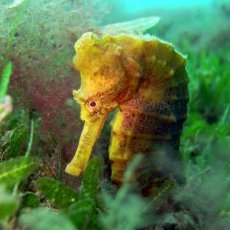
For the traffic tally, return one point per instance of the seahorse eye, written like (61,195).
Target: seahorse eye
(92,104)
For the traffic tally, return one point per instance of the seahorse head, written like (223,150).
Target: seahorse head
(102,76)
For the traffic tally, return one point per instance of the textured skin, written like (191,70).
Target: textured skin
(146,79)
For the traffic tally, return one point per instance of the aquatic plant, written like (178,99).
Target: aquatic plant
(205,140)
(5,100)
(5,79)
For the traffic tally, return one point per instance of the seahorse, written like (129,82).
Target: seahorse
(142,76)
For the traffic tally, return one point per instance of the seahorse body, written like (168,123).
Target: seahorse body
(143,76)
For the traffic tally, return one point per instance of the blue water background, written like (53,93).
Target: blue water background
(132,7)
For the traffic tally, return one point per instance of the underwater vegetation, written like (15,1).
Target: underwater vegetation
(40,126)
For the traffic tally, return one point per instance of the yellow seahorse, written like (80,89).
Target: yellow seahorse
(146,79)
